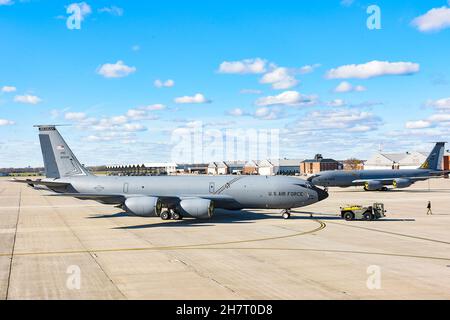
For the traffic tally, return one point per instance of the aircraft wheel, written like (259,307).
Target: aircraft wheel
(165,215)
(175,215)
(286,215)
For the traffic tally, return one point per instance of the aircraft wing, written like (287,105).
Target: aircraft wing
(103,198)
(120,198)
(41,182)
(414,179)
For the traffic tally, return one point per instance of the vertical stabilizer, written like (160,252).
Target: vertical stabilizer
(434,160)
(59,161)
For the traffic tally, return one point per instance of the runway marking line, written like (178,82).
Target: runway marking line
(321,226)
(391,232)
(212,246)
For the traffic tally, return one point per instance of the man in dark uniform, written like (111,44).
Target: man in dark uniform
(429,212)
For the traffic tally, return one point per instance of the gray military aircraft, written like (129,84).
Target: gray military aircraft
(169,197)
(374,180)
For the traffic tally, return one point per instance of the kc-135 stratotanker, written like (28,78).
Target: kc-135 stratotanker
(377,180)
(169,197)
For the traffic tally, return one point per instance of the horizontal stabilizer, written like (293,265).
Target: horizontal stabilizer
(104,198)
(41,182)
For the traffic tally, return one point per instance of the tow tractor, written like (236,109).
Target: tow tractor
(359,212)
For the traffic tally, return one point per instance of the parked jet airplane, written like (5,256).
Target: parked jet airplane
(379,179)
(169,197)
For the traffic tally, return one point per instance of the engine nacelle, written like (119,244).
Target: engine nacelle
(401,183)
(143,206)
(197,208)
(373,185)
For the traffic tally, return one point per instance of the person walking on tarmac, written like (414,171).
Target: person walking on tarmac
(429,212)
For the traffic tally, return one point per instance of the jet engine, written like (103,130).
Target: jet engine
(197,208)
(143,206)
(373,185)
(401,183)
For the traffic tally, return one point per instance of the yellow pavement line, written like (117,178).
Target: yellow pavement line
(321,226)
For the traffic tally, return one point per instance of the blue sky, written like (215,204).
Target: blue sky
(311,69)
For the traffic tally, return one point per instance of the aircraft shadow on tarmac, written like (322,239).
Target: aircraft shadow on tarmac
(325,216)
(230,217)
(113,215)
(220,217)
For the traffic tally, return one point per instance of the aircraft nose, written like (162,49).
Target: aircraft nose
(322,194)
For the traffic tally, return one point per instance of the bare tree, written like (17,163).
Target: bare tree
(353,164)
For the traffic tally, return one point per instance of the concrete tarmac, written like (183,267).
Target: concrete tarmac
(64,248)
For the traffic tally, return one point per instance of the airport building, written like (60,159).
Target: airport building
(192,168)
(318,164)
(408,160)
(446,162)
(143,169)
(226,167)
(279,167)
(251,167)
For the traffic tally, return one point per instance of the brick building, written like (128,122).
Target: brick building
(318,164)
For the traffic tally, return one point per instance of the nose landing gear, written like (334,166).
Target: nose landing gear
(286,213)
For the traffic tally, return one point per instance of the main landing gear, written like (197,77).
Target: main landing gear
(170,214)
(286,213)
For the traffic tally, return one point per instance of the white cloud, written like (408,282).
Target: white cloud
(345,86)
(155,107)
(136,114)
(266,113)
(250,91)
(256,65)
(288,98)
(336,103)
(168,83)
(349,120)
(373,69)
(118,120)
(420,124)
(113,10)
(236,112)
(440,117)
(347,3)
(442,104)
(280,78)
(4,122)
(115,70)
(6,2)
(134,127)
(308,68)
(136,47)
(29,99)
(8,89)
(360,128)
(434,20)
(75,116)
(197,98)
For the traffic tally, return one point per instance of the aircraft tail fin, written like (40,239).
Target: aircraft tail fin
(59,160)
(434,160)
